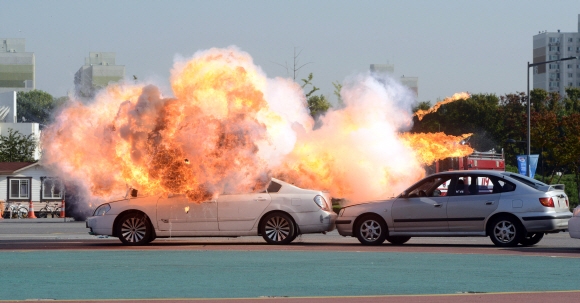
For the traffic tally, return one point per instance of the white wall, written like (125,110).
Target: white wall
(8,107)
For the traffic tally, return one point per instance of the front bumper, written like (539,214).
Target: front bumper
(344,225)
(574,227)
(101,225)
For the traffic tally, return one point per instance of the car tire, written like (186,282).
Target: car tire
(398,240)
(371,230)
(278,228)
(505,231)
(134,229)
(531,239)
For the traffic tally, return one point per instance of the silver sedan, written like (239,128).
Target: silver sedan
(510,208)
(279,214)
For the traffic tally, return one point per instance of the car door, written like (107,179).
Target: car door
(423,207)
(240,212)
(471,201)
(177,212)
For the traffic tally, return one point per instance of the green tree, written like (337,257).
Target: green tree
(572,100)
(317,104)
(34,106)
(16,147)
(337,87)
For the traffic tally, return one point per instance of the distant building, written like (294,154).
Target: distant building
(17,67)
(99,70)
(8,121)
(556,76)
(411,82)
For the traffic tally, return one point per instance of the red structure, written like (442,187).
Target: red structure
(476,161)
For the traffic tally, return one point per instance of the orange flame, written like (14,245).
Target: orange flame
(457,96)
(431,147)
(228,129)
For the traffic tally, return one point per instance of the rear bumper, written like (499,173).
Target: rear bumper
(546,222)
(574,227)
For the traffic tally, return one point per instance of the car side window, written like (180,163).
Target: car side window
(432,187)
(473,184)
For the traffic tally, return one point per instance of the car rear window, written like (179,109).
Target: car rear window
(526,180)
(274,187)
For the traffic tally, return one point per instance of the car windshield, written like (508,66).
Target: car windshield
(526,180)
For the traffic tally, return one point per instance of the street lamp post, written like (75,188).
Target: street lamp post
(528,173)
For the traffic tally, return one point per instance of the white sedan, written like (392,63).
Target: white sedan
(278,214)
(574,224)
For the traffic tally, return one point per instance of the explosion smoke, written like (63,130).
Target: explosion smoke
(229,128)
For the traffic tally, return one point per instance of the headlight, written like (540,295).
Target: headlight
(102,210)
(577,211)
(319,200)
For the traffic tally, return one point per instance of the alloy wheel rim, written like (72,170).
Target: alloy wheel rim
(277,229)
(133,229)
(370,230)
(505,231)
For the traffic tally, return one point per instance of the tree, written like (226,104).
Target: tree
(17,147)
(337,87)
(317,104)
(34,106)
(295,66)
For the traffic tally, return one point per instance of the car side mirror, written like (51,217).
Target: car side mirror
(404,194)
(133,193)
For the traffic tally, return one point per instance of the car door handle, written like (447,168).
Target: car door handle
(260,199)
(437,205)
(489,203)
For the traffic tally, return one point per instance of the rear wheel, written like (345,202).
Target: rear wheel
(505,231)
(531,239)
(134,229)
(278,228)
(371,230)
(398,240)
(22,213)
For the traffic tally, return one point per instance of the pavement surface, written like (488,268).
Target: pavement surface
(50,259)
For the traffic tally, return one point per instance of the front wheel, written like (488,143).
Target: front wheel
(531,239)
(278,228)
(371,230)
(134,229)
(398,240)
(43,213)
(505,231)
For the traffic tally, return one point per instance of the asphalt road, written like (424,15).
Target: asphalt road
(57,260)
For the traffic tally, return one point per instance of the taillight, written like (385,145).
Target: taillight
(567,205)
(321,202)
(547,202)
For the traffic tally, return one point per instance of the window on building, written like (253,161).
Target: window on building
(570,84)
(554,48)
(570,75)
(570,66)
(570,39)
(569,48)
(554,57)
(554,39)
(51,188)
(19,188)
(554,66)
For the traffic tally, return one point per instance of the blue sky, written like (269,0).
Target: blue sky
(452,46)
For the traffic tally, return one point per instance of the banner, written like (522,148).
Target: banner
(523,164)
